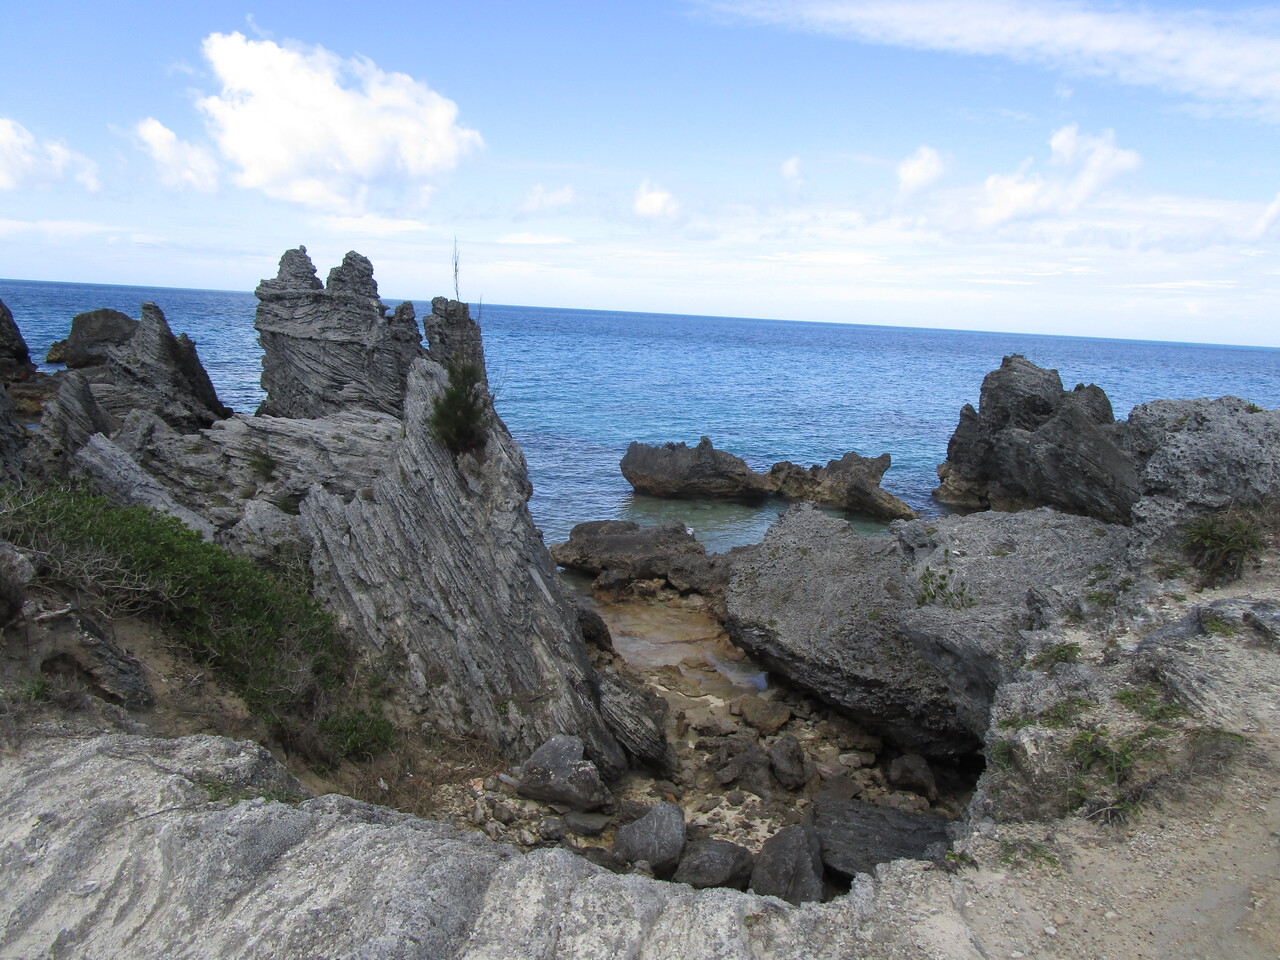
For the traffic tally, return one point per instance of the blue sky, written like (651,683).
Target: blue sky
(1050,167)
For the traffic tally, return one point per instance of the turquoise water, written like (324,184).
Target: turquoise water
(576,386)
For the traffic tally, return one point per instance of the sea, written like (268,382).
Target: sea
(575,387)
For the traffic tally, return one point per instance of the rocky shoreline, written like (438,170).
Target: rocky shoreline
(963,699)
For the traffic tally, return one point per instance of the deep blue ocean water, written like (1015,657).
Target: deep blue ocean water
(576,386)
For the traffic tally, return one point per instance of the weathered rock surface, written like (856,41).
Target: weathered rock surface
(676,470)
(557,773)
(715,863)
(856,836)
(1031,443)
(658,838)
(331,348)
(912,635)
(93,333)
(789,866)
(12,440)
(15,357)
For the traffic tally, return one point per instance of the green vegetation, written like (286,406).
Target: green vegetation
(263,464)
(1149,703)
(1027,852)
(1067,652)
(1221,543)
(460,416)
(945,588)
(1061,714)
(263,637)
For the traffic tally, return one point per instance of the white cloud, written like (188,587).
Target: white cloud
(179,163)
(1269,216)
(54,229)
(541,199)
(919,170)
(790,171)
(373,225)
(653,201)
(533,239)
(26,161)
(302,124)
(1086,164)
(1206,55)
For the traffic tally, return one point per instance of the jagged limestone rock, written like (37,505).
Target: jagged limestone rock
(454,337)
(15,357)
(1031,443)
(331,348)
(12,441)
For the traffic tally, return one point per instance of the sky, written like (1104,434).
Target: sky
(1080,168)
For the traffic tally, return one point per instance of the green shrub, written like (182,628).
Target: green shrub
(1221,543)
(460,415)
(1067,652)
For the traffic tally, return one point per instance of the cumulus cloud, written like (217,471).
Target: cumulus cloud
(302,124)
(653,201)
(26,161)
(540,199)
(1210,56)
(1081,164)
(919,170)
(179,163)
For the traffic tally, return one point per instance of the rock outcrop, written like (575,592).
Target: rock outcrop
(911,635)
(676,470)
(12,440)
(1031,443)
(416,549)
(332,347)
(15,357)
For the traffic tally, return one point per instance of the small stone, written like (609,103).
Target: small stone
(553,828)
(503,814)
(710,804)
(765,715)
(493,830)
(854,759)
(1050,931)
(586,824)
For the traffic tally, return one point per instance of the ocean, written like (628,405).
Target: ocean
(575,387)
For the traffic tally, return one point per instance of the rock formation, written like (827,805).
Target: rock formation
(417,550)
(332,347)
(1032,443)
(676,470)
(12,440)
(15,358)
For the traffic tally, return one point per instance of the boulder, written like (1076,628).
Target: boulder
(911,635)
(1031,443)
(851,483)
(557,773)
(911,772)
(15,357)
(715,863)
(333,347)
(658,838)
(93,333)
(855,836)
(789,866)
(677,470)
(786,758)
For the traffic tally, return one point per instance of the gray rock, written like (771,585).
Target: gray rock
(332,348)
(851,483)
(856,836)
(658,838)
(13,439)
(453,335)
(750,769)
(789,866)
(16,574)
(92,333)
(715,863)
(786,758)
(911,772)
(587,824)
(557,773)
(15,357)
(1031,443)
(767,716)
(677,470)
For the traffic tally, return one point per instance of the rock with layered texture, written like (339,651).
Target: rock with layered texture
(856,836)
(12,441)
(912,634)
(332,347)
(1031,443)
(92,335)
(15,357)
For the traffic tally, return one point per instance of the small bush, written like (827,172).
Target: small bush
(1221,543)
(1148,702)
(460,416)
(1068,652)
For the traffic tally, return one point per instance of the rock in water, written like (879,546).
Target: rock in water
(677,470)
(851,483)
(330,348)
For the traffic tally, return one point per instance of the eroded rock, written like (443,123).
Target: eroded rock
(557,773)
